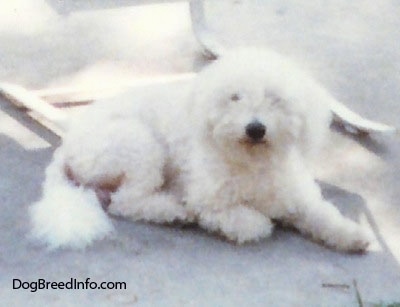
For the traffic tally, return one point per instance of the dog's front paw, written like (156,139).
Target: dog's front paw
(353,239)
(239,224)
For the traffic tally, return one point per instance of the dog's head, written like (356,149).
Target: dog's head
(252,102)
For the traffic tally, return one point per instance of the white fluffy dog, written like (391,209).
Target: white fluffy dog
(229,152)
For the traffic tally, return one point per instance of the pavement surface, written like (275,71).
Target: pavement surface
(351,46)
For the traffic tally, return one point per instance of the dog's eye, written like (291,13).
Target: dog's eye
(235,97)
(273,99)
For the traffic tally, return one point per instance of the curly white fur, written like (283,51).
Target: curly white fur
(187,154)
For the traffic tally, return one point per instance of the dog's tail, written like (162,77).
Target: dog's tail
(67,215)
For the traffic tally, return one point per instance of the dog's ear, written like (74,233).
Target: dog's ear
(204,91)
(316,118)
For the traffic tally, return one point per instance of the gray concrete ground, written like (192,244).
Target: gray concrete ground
(352,47)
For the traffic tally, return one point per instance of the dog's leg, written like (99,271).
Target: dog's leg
(144,202)
(213,199)
(302,205)
(237,223)
(141,194)
(323,222)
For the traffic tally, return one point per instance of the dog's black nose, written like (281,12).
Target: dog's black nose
(255,130)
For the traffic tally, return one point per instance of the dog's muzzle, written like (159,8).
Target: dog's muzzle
(255,131)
